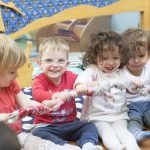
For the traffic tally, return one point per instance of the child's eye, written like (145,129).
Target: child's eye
(116,58)
(48,60)
(13,72)
(104,58)
(141,56)
(61,61)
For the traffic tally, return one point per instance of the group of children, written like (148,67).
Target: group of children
(115,84)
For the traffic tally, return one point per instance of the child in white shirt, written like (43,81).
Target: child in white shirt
(107,110)
(138,68)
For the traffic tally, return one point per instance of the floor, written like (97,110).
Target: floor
(145,145)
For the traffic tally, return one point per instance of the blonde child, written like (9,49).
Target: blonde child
(104,59)
(59,126)
(11,96)
(138,69)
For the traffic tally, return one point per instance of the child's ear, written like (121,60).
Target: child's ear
(149,55)
(68,63)
(39,63)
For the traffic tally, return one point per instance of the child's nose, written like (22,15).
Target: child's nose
(136,60)
(55,63)
(110,61)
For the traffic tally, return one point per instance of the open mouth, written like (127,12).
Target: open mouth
(110,69)
(136,66)
(54,71)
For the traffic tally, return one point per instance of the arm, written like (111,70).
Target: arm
(41,94)
(23,101)
(40,89)
(60,98)
(85,81)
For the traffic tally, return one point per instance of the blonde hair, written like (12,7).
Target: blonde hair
(11,56)
(53,43)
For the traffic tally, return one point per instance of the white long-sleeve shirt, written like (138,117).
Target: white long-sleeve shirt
(144,78)
(98,108)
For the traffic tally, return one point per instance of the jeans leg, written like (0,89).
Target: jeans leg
(135,122)
(49,133)
(139,114)
(146,118)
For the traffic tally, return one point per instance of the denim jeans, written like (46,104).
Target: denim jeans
(139,114)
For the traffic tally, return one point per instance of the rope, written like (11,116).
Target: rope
(95,89)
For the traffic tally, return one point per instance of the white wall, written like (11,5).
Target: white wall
(121,22)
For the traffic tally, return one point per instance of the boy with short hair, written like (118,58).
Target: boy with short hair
(59,126)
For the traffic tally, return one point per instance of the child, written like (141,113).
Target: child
(138,68)
(11,96)
(107,110)
(8,138)
(59,126)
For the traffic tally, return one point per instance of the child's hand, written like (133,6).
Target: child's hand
(139,87)
(65,95)
(53,104)
(47,103)
(134,86)
(61,95)
(86,88)
(137,84)
(56,104)
(43,109)
(4,116)
(81,89)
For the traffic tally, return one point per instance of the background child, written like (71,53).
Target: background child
(61,125)
(11,96)
(8,138)
(138,69)
(108,110)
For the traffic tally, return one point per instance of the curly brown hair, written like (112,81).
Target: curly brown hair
(102,42)
(136,39)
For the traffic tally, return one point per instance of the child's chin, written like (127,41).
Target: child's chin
(108,71)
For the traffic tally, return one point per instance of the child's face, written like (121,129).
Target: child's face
(7,77)
(136,64)
(54,64)
(109,62)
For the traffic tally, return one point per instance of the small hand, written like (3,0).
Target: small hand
(86,88)
(54,104)
(43,109)
(47,103)
(65,95)
(137,85)
(81,89)
(4,116)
